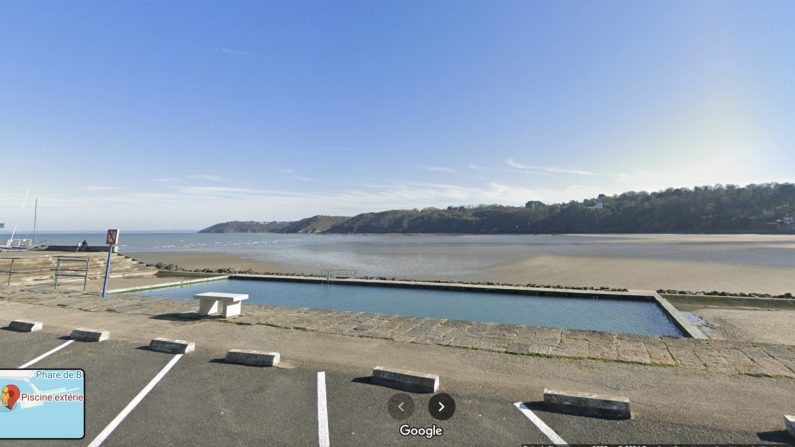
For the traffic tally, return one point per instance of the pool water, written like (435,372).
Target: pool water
(597,314)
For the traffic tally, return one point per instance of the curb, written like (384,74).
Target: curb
(587,404)
(406,380)
(90,335)
(172,346)
(25,326)
(252,358)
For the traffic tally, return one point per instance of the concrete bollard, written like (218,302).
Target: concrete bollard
(586,404)
(252,358)
(90,335)
(172,346)
(25,326)
(406,380)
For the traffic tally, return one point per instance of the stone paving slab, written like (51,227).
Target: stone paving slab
(715,356)
(769,364)
(685,357)
(713,360)
(571,347)
(633,351)
(658,353)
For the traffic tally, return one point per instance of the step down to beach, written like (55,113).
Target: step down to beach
(90,335)
(25,326)
(252,358)
(405,380)
(587,404)
(172,346)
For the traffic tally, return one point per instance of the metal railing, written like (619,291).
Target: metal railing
(330,275)
(72,272)
(10,270)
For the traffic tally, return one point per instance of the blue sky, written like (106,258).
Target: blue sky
(163,115)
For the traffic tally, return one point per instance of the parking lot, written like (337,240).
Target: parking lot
(201,400)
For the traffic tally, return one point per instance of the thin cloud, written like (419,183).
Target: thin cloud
(513,170)
(550,169)
(437,169)
(100,188)
(290,173)
(211,178)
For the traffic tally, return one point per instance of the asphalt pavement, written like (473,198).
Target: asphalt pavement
(201,400)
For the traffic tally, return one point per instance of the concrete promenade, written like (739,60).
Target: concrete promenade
(681,403)
(720,356)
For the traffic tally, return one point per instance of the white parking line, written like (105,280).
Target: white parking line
(548,432)
(133,403)
(322,411)
(52,351)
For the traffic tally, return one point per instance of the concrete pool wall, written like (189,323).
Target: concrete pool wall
(687,328)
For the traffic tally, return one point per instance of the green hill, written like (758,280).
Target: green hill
(766,208)
(246,227)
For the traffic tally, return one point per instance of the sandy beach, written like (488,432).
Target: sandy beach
(647,274)
(200,260)
(631,273)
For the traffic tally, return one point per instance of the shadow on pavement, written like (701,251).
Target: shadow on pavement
(777,436)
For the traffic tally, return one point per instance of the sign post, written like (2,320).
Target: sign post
(111,239)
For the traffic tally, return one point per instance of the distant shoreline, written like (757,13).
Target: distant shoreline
(757,208)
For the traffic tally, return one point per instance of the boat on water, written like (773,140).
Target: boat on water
(18,245)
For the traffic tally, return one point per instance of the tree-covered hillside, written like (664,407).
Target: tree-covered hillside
(316,224)
(246,227)
(766,208)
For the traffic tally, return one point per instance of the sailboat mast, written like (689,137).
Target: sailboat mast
(13,232)
(35,217)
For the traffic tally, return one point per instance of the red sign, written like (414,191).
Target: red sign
(113,237)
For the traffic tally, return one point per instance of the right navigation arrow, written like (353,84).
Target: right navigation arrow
(441,406)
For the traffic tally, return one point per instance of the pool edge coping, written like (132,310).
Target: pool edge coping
(170,284)
(689,330)
(673,313)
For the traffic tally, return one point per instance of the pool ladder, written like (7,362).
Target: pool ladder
(329,275)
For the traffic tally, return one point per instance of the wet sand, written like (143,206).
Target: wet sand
(630,273)
(200,260)
(647,274)
(775,239)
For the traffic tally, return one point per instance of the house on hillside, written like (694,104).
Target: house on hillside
(787,222)
(534,204)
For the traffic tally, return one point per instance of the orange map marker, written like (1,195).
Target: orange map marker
(10,396)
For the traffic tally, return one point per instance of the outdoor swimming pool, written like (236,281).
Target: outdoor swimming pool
(598,314)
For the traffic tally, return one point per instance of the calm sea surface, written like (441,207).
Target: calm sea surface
(440,255)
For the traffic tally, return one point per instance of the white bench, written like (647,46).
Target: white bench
(230,303)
